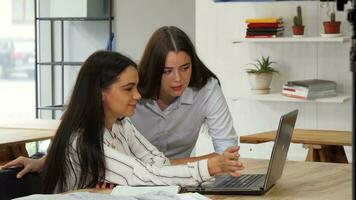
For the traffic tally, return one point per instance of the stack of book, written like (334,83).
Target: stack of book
(309,89)
(264,27)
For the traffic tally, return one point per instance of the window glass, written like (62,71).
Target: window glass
(17,67)
(22,11)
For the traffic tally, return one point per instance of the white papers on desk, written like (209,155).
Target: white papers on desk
(155,193)
(75,196)
(125,193)
(158,195)
(137,190)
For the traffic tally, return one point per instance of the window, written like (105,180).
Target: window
(17,67)
(22,11)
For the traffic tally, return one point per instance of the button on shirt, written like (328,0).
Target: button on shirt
(175,130)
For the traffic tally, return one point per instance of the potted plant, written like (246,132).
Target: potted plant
(298,28)
(332,26)
(260,76)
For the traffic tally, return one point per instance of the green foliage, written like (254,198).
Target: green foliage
(262,66)
(298,21)
(332,17)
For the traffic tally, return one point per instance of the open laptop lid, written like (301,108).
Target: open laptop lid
(280,148)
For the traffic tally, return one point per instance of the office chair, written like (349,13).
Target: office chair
(12,187)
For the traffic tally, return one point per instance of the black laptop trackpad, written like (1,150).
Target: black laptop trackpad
(243,181)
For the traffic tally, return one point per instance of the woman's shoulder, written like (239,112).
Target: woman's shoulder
(126,125)
(124,122)
(213,82)
(210,85)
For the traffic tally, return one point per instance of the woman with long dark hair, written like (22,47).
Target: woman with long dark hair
(96,142)
(180,94)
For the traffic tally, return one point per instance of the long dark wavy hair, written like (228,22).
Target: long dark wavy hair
(84,120)
(150,68)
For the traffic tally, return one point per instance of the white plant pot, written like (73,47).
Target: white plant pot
(260,83)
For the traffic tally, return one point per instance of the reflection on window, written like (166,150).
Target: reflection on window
(22,11)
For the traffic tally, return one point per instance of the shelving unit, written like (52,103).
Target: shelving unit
(278,97)
(342,39)
(58,48)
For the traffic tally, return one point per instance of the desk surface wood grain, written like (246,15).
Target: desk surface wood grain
(304,136)
(15,132)
(300,180)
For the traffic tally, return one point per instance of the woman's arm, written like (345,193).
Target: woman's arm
(179,161)
(148,166)
(125,170)
(29,164)
(218,118)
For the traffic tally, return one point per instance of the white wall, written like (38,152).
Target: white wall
(136,20)
(217,24)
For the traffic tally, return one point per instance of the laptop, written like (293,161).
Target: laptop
(256,184)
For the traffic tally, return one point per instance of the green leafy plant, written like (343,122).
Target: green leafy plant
(262,66)
(298,21)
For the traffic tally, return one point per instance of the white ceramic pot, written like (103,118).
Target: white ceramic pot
(260,82)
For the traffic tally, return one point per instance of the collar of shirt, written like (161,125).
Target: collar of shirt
(186,98)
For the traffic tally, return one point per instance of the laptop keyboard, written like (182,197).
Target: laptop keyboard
(244,181)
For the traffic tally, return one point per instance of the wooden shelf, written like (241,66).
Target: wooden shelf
(278,97)
(293,39)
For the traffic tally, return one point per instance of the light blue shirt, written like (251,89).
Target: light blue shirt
(175,130)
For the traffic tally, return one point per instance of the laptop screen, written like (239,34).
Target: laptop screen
(280,148)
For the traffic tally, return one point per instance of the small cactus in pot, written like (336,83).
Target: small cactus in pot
(298,28)
(332,17)
(332,26)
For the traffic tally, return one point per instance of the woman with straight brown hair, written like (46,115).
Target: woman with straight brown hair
(180,94)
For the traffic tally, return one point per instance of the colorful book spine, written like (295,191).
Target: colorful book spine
(264,25)
(264,33)
(301,92)
(294,96)
(265,29)
(315,84)
(263,20)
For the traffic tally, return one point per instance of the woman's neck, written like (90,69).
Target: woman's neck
(108,124)
(110,120)
(164,101)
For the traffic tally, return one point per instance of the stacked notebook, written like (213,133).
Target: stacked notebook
(309,89)
(264,27)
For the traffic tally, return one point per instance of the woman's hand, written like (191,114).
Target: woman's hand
(28,164)
(105,185)
(228,162)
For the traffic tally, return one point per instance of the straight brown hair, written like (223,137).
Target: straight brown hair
(83,119)
(150,68)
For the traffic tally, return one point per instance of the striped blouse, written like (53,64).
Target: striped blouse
(132,160)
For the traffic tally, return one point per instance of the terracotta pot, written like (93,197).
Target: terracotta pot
(298,30)
(332,27)
(260,83)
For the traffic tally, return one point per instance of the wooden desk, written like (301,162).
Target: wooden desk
(14,135)
(300,180)
(324,146)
